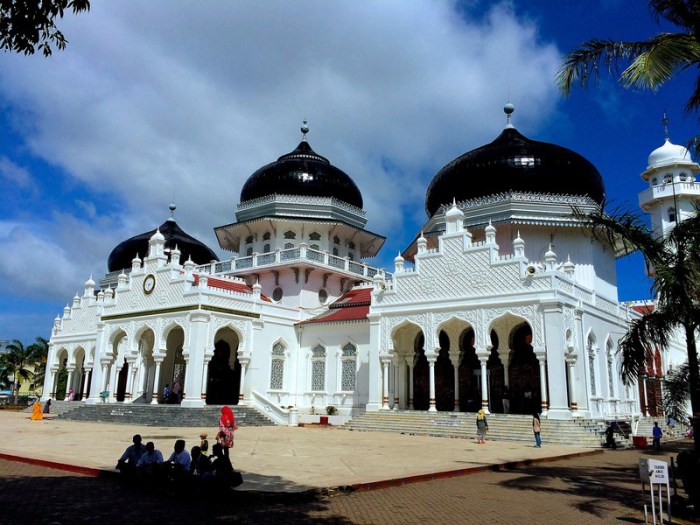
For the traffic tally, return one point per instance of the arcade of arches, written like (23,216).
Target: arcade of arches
(505,377)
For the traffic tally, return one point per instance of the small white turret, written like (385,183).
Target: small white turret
(569,267)
(422,244)
(518,247)
(135,263)
(122,280)
(454,219)
(490,232)
(76,300)
(175,256)
(89,288)
(156,248)
(550,259)
(399,263)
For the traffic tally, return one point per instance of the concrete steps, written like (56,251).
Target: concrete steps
(161,415)
(510,427)
(58,407)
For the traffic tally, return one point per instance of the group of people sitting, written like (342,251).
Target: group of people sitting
(144,465)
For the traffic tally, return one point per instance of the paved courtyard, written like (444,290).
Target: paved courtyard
(280,464)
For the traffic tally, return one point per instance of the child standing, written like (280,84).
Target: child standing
(204,444)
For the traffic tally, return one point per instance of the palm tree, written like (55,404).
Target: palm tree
(40,349)
(19,363)
(674,266)
(651,63)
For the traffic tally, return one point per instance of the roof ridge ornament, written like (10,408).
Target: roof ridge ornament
(304,130)
(664,122)
(172,209)
(508,109)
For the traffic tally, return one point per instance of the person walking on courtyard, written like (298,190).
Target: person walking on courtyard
(482,427)
(656,434)
(610,437)
(536,428)
(47,407)
(227,426)
(37,414)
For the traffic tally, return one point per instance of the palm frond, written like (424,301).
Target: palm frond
(585,61)
(676,393)
(652,329)
(667,54)
(684,14)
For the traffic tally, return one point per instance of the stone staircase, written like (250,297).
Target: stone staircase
(502,427)
(58,408)
(160,415)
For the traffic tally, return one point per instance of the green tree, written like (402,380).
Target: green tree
(40,349)
(27,26)
(674,264)
(675,397)
(650,63)
(19,363)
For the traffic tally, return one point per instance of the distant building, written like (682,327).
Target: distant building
(503,286)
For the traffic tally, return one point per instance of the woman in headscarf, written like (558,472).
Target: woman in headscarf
(37,413)
(481,428)
(227,426)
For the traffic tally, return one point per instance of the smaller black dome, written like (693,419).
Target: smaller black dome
(514,162)
(123,254)
(302,172)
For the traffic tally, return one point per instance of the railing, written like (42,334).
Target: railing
(302,253)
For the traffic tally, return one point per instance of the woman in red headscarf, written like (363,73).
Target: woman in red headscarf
(227,426)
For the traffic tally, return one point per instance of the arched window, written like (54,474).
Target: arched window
(315,247)
(288,245)
(683,176)
(611,369)
(335,251)
(266,236)
(672,214)
(249,239)
(668,178)
(348,365)
(289,234)
(318,369)
(591,364)
(351,245)
(654,181)
(277,367)
(266,248)
(314,236)
(351,256)
(179,366)
(249,251)
(336,240)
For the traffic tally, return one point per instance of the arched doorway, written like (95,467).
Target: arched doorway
(469,374)
(121,381)
(524,372)
(174,366)
(496,378)
(61,376)
(444,376)
(421,375)
(224,372)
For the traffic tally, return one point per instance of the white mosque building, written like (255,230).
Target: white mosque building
(503,290)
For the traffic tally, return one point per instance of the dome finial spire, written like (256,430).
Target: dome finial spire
(304,130)
(664,123)
(508,109)
(172,209)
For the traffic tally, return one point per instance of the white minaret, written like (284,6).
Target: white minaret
(673,191)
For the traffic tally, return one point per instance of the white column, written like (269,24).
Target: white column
(104,378)
(573,404)
(454,358)
(431,364)
(113,379)
(409,363)
(244,369)
(130,382)
(646,396)
(385,383)
(88,382)
(205,377)
(54,383)
(395,362)
(484,384)
(156,380)
(543,385)
(69,383)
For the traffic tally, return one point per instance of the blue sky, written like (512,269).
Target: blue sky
(155,101)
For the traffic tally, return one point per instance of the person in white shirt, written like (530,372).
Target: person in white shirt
(180,458)
(150,458)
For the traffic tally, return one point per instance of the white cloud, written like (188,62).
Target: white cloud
(155,99)
(14,174)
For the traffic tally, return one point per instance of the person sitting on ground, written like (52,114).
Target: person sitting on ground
(221,472)
(131,456)
(37,414)
(200,463)
(656,434)
(180,458)
(148,464)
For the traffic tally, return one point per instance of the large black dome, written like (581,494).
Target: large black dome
(305,173)
(122,255)
(513,162)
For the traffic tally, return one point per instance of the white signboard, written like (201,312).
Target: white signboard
(653,471)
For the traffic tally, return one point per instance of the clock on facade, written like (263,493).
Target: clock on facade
(149,283)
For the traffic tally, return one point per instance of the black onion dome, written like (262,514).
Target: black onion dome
(513,162)
(123,254)
(302,172)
